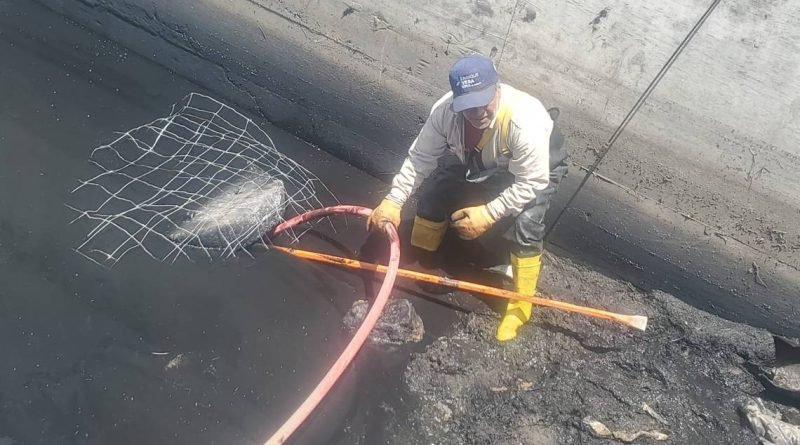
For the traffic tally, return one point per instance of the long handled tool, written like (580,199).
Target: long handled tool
(634,321)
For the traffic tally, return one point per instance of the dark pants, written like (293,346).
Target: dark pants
(447,190)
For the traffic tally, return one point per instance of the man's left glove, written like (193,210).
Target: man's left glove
(387,211)
(471,222)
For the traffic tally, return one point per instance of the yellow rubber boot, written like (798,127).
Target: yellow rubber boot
(427,234)
(526,276)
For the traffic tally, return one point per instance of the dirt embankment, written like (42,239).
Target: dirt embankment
(685,378)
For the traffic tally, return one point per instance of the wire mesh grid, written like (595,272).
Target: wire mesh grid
(203,179)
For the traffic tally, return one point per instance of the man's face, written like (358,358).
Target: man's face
(481,117)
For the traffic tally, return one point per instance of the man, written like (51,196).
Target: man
(484,127)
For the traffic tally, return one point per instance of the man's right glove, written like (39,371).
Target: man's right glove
(471,222)
(387,211)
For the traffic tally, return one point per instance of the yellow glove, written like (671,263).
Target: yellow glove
(471,222)
(387,211)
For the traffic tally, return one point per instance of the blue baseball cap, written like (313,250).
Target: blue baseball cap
(473,79)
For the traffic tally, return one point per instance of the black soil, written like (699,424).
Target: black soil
(690,368)
(147,352)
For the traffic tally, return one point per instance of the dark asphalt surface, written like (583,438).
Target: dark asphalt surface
(85,350)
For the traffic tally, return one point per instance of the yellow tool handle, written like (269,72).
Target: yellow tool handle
(634,321)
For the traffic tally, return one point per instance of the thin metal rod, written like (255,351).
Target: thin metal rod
(607,146)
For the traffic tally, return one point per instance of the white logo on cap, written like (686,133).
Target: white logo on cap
(469,81)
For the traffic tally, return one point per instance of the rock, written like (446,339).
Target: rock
(399,323)
(444,411)
(598,429)
(652,413)
(786,374)
(768,425)
(792,415)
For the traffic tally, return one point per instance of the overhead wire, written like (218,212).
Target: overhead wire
(642,99)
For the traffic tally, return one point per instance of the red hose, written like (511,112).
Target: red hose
(338,368)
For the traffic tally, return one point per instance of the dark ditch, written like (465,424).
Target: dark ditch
(203,352)
(221,352)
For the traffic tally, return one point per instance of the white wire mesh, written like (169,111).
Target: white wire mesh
(203,179)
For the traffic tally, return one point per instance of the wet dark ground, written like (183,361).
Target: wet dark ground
(222,352)
(147,352)
(685,378)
